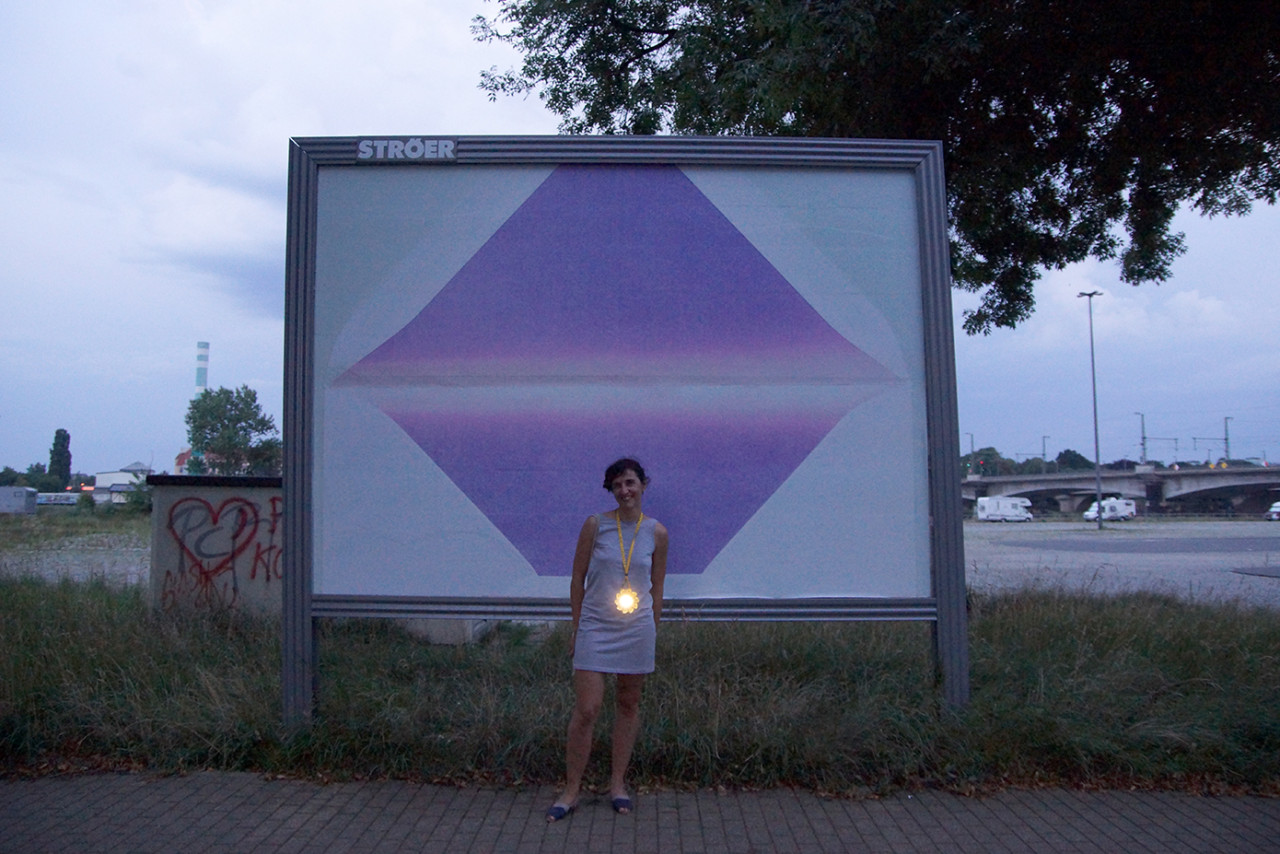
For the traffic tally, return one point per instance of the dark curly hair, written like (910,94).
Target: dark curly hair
(618,467)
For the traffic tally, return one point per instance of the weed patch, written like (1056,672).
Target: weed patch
(1068,689)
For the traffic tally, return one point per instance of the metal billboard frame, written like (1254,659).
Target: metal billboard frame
(922,160)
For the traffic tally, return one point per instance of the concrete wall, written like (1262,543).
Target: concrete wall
(215,543)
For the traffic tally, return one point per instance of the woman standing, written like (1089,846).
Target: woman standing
(616,595)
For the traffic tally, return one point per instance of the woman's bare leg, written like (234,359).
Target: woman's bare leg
(588,696)
(626,724)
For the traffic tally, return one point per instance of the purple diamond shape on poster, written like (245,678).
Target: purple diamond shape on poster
(618,312)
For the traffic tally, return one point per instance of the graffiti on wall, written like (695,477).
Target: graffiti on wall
(226,553)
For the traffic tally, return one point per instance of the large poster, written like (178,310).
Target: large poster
(488,336)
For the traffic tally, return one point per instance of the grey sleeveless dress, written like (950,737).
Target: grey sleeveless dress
(609,641)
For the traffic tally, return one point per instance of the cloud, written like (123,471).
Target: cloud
(188,216)
(142,190)
(1186,353)
(142,193)
(1200,317)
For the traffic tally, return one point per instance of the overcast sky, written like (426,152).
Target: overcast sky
(143,148)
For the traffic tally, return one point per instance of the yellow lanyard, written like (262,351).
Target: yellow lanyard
(626,554)
(627,600)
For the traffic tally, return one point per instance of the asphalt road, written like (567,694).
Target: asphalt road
(1195,560)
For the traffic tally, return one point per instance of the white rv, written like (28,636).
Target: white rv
(1003,509)
(1113,510)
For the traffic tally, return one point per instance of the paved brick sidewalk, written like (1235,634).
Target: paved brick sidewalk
(221,812)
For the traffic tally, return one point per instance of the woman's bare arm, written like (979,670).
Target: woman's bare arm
(578,581)
(658,570)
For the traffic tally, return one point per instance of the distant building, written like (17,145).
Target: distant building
(17,499)
(114,485)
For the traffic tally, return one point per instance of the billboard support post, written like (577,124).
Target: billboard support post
(951,631)
(297,625)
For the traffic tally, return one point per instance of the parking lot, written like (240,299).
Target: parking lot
(1195,560)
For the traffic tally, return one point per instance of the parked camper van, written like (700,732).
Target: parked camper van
(1001,509)
(1113,510)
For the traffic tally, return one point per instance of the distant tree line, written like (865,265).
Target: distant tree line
(990,462)
(56,476)
(228,431)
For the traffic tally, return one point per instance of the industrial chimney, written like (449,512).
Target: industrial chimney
(202,367)
(202,385)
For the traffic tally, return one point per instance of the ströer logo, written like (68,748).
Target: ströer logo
(413,148)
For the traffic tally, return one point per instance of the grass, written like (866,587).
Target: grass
(1069,689)
(55,527)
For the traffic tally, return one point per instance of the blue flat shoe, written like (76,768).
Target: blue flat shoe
(555,812)
(622,805)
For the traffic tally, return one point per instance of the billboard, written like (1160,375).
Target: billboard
(477,326)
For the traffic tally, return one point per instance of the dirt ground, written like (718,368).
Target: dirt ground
(1196,560)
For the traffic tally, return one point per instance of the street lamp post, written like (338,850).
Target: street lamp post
(1093,375)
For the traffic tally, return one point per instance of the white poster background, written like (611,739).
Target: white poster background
(851,520)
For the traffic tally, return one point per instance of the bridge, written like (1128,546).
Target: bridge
(1243,490)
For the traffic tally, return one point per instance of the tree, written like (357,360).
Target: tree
(1031,465)
(230,435)
(39,479)
(139,495)
(1069,460)
(987,462)
(1065,122)
(60,458)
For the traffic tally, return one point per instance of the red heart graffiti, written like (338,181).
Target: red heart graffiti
(212,539)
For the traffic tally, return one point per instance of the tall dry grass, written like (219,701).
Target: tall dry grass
(1068,689)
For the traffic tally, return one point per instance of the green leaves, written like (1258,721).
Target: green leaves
(60,457)
(1073,129)
(230,435)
